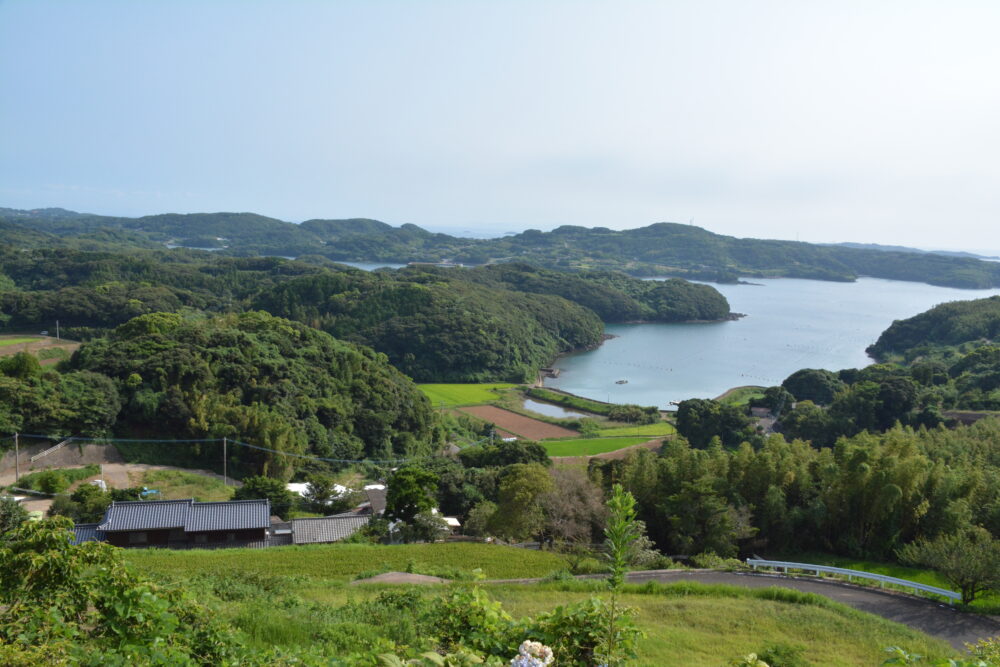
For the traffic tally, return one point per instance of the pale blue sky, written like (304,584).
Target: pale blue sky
(863,121)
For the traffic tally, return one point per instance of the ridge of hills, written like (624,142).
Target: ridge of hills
(659,249)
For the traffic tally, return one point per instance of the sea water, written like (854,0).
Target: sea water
(789,324)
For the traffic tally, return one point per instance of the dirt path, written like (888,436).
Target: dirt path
(934,618)
(525,427)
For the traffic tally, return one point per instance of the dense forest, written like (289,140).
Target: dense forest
(250,377)
(661,249)
(458,325)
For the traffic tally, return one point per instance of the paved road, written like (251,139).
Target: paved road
(936,619)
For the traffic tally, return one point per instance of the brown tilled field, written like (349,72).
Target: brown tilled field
(525,427)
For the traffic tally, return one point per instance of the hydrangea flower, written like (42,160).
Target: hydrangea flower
(532,654)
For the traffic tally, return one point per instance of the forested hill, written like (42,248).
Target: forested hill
(447,325)
(945,325)
(658,249)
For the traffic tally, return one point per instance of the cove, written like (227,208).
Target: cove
(789,324)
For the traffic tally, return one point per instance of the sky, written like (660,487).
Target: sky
(870,121)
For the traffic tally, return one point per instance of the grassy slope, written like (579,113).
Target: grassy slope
(178,484)
(693,625)
(341,562)
(453,395)
(589,446)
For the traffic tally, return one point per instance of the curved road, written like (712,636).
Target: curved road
(936,619)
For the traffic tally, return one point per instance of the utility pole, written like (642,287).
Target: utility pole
(225,472)
(57,329)
(17,464)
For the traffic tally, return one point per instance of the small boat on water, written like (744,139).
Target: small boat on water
(621,382)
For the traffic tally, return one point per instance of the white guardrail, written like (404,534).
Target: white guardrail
(851,574)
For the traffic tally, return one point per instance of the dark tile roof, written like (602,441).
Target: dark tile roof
(87,532)
(187,515)
(326,529)
(231,515)
(377,498)
(145,515)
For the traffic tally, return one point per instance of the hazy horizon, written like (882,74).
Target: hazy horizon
(861,122)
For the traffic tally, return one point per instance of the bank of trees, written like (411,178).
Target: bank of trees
(260,379)
(867,496)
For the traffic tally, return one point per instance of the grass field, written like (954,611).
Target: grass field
(741,395)
(648,430)
(342,562)
(589,446)
(178,484)
(288,596)
(17,341)
(698,625)
(454,395)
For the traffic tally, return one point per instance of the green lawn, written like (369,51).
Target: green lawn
(342,562)
(588,446)
(178,484)
(17,341)
(648,430)
(454,395)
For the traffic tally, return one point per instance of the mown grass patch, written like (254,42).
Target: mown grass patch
(180,484)
(648,430)
(454,395)
(342,562)
(589,446)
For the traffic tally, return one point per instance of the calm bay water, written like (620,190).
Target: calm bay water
(790,324)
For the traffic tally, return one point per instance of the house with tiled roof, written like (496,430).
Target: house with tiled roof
(182,524)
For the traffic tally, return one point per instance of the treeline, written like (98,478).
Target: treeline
(658,249)
(252,377)
(614,296)
(865,497)
(433,324)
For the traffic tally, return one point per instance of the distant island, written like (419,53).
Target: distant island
(661,249)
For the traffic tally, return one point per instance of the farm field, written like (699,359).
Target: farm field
(589,446)
(17,341)
(48,350)
(454,395)
(648,430)
(519,425)
(342,562)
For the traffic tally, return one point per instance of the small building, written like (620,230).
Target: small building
(182,524)
(327,529)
